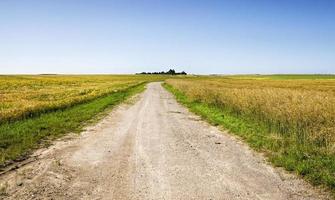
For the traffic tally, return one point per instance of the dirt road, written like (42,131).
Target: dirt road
(152,149)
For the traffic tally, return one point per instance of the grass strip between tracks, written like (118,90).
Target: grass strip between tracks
(18,139)
(312,164)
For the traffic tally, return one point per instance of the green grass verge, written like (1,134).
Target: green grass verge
(312,163)
(18,139)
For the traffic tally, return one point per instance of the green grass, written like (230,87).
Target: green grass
(315,165)
(18,139)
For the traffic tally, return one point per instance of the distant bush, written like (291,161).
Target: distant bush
(170,72)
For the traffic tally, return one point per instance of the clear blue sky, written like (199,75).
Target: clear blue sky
(208,36)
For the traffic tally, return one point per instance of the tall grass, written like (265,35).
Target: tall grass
(297,117)
(303,109)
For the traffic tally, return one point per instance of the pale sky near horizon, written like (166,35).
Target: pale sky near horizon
(198,36)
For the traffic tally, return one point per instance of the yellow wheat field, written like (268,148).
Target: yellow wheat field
(303,108)
(22,96)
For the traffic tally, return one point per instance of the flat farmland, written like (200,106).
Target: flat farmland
(291,118)
(153,147)
(37,108)
(26,96)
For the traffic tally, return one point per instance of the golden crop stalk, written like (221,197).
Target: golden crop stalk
(304,109)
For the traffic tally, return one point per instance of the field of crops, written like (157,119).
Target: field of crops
(36,109)
(298,113)
(304,108)
(26,96)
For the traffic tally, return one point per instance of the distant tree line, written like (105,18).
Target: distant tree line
(170,72)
